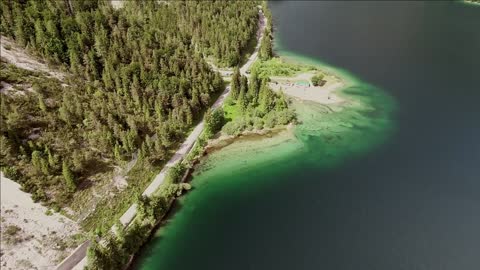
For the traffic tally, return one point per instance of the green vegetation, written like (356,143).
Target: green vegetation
(253,105)
(214,121)
(266,48)
(91,31)
(68,176)
(318,79)
(138,83)
(12,230)
(266,45)
(175,174)
(278,67)
(11,236)
(115,249)
(111,208)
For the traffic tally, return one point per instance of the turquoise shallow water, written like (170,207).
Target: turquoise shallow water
(389,182)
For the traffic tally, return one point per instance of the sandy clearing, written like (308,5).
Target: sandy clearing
(322,94)
(39,242)
(17,56)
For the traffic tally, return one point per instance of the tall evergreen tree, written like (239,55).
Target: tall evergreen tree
(266,50)
(68,177)
(253,87)
(242,100)
(235,85)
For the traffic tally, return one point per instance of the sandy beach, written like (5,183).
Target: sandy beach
(32,237)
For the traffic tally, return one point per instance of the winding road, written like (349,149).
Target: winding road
(78,259)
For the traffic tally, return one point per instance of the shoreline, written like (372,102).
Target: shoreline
(213,146)
(223,141)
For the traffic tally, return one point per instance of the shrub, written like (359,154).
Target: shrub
(317,80)
(10,172)
(12,230)
(258,123)
(284,117)
(214,121)
(270,120)
(235,127)
(175,174)
(69,177)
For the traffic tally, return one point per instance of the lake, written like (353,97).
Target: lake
(391,183)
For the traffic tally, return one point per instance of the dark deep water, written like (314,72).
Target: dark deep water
(413,203)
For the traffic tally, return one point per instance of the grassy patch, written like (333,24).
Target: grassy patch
(232,111)
(278,67)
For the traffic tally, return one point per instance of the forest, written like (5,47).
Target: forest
(138,82)
(138,79)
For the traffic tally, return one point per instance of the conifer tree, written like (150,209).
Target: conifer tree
(235,85)
(266,50)
(41,104)
(68,177)
(36,159)
(253,87)
(242,100)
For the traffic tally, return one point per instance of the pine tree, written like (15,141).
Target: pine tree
(266,51)
(37,160)
(267,100)
(242,100)
(253,87)
(41,104)
(44,166)
(69,177)
(51,159)
(116,152)
(235,85)
(214,121)
(281,103)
